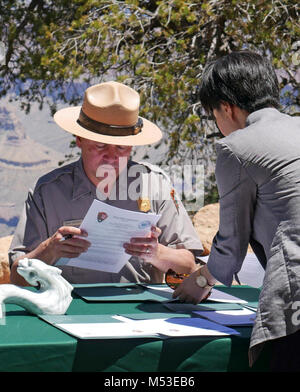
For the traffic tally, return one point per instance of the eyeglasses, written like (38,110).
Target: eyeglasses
(174,279)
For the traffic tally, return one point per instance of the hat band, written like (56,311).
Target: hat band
(107,129)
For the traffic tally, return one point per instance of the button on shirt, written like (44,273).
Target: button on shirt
(65,195)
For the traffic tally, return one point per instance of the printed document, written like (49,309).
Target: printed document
(170,327)
(108,229)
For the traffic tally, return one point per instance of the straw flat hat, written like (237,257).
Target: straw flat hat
(109,114)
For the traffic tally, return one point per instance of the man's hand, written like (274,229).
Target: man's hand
(160,256)
(57,246)
(144,247)
(54,248)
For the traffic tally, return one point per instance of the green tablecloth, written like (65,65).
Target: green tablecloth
(27,343)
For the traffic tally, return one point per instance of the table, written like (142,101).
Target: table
(27,344)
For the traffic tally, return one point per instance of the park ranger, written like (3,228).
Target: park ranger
(106,127)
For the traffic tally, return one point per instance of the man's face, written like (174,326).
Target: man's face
(99,157)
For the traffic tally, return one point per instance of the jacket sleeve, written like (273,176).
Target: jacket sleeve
(237,192)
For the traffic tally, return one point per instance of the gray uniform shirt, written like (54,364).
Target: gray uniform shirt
(65,195)
(258,178)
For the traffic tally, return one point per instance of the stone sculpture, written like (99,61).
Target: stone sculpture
(53,295)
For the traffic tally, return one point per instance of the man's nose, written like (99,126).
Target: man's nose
(111,151)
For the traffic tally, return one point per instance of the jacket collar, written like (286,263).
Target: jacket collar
(81,184)
(266,114)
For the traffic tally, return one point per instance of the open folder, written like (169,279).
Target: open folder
(123,292)
(138,292)
(239,317)
(110,327)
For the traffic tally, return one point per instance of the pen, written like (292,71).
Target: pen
(66,237)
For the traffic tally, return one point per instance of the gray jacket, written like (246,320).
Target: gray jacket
(258,178)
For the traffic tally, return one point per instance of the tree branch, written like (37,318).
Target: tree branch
(11,40)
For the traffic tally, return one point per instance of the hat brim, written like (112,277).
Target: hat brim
(67,120)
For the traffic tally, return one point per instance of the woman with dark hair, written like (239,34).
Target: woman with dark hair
(258,178)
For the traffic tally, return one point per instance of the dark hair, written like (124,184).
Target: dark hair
(243,78)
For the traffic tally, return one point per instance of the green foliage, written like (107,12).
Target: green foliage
(158,47)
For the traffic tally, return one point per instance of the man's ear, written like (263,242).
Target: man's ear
(239,116)
(235,114)
(78,141)
(227,109)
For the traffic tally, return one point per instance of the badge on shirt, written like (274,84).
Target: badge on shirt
(172,193)
(144,204)
(73,222)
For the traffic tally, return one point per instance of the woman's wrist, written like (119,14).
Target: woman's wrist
(211,281)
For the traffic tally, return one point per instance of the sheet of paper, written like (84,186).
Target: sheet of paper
(220,296)
(147,316)
(241,317)
(107,330)
(186,326)
(108,229)
(158,287)
(170,327)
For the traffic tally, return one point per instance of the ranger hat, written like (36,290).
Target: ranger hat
(109,114)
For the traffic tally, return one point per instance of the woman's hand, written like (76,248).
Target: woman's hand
(189,291)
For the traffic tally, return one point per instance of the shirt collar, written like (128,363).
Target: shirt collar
(82,185)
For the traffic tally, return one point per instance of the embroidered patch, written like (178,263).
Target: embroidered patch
(172,193)
(101,216)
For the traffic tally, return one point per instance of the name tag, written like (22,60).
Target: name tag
(74,222)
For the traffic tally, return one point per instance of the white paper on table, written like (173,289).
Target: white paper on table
(147,328)
(106,330)
(187,326)
(108,229)
(229,317)
(220,296)
(158,288)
